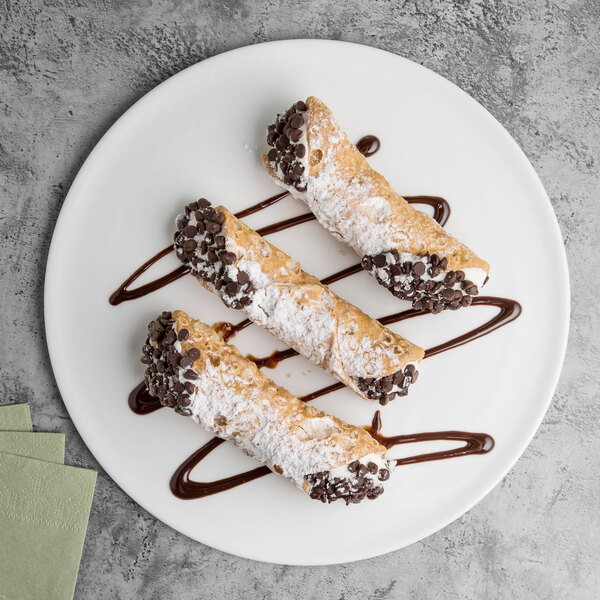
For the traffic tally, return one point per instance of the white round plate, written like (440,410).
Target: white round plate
(201,133)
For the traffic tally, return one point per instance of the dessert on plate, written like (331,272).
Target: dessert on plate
(404,249)
(192,370)
(236,263)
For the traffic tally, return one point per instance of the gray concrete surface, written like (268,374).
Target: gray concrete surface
(69,68)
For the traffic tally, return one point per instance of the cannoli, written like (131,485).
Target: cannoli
(404,249)
(236,263)
(192,370)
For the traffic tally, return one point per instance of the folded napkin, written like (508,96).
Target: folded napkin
(44,510)
(15,417)
(43,446)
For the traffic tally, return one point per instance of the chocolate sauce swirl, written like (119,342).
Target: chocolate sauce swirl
(186,488)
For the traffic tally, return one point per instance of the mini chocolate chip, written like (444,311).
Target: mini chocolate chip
(448,294)
(203,203)
(384,475)
(386,386)
(418,269)
(296,121)
(300,150)
(466,301)
(443,264)
(146,360)
(189,374)
(379,260)
(295,135)
(242,277)
(367,263)
(183,335)
(472,290)
(189,245)
(190,231)
(300,106)
(417,305)
(184,400)
(194,353)
(213,227)
(212,256)
(353,466)
(460,276)
(189,387)
(372,468)
(185,362)
(232,288)
(228,258)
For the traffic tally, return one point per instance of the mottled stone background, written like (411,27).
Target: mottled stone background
(69,68)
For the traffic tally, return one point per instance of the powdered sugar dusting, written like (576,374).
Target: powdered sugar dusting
(235,401)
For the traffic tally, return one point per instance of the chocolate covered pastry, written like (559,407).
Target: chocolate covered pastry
(236,263)
(192,370)
(404,249)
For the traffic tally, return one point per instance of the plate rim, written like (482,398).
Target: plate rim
(562,298)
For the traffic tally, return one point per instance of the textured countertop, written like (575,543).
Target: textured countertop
(69,69)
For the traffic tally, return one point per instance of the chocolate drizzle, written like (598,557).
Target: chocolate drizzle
(475,443)
(141,402)
(186,488)
(122,293)
(368,145)
(509,311)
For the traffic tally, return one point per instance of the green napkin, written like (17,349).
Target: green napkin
(44,446)
(15,417)
(44,510)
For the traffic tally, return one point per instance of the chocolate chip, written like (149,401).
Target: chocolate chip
(185,362)
(353,466)
(194,353)
(213,227)
(367,263)
(300,106)
(190,231)
(228,258)
(189,374)
(300,150)
(212,257)
(372,468)
(418,269)
(380,260)
(189,245)
(384,475)
(203,203)
(232,288)
(183,335)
